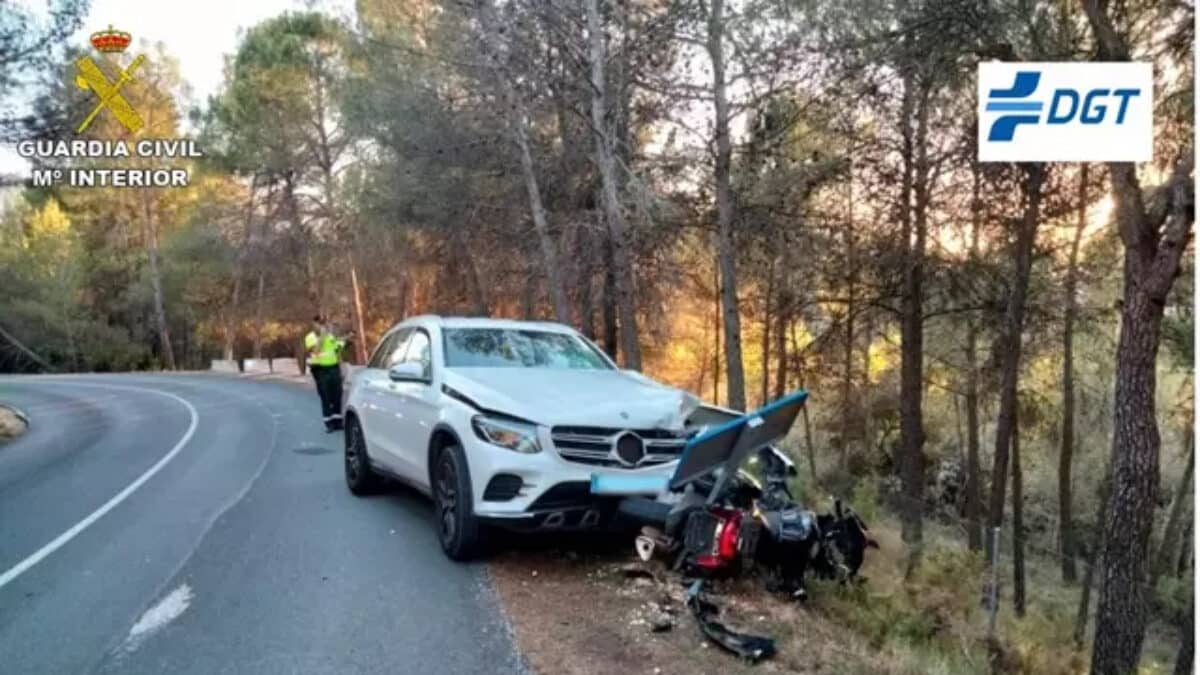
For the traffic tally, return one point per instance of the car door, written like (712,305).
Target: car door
(379,414)
(418,399)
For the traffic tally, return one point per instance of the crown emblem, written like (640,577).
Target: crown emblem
(110,41)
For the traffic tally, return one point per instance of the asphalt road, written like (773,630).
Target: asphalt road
(201,524)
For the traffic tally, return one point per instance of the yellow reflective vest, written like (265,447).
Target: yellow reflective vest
(330,351)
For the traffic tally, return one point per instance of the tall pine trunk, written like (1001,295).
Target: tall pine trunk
(1014,322)
(360,324)
(768,299)
(160,310)
(609,311)
(1187,645)
(1150,268)
(971,496)
(1168,550)
(914,200)
(1066,546)
(1155,237)
(1018,536)
(726,245)
(518,125)
(605,144)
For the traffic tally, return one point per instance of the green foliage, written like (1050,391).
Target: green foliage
(1173,597)
(865,499)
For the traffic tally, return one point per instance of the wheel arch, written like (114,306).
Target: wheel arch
(443,436)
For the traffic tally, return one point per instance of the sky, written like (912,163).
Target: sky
(199,33)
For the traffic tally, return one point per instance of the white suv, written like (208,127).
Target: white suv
(505,422)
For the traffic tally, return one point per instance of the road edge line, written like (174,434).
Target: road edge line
(61,540)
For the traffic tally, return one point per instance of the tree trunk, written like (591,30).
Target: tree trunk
(518,121)
(610,302)
(766,333)
(717,334)
(160,311)
(1066,547)
(726,246)
(1185,547)
(847,380)
(583,251)
(605,147)
(868,398)
(1018,536)
(258,318)
(1092,561)
(360,325)
(230,332)
(808,442)
(479,296)
(914,200)
(1121,613)
(975,534)
(1183,660)
(1085,602)
(1166,557)
(1154,239)
(780,336)
(1014,322)
(848,348)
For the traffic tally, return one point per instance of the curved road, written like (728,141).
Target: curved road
(200,524)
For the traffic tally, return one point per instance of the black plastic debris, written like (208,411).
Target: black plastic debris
(752,648)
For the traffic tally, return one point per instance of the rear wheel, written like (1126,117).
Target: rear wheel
(458,527)
(360,478)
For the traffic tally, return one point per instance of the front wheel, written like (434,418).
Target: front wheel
(458,527)
(360,478)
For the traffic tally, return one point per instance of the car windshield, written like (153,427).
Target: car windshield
(511,348)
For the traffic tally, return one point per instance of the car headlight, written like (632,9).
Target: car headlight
(515,436)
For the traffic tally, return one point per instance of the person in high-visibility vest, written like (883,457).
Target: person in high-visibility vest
(324,362)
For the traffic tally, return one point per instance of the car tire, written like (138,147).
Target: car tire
(360,477)
(459,530)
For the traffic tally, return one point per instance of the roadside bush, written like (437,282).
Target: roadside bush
(1173,597)
(865,500)
(1042,642)
(946,587)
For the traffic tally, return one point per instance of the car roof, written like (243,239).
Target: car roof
(484,322)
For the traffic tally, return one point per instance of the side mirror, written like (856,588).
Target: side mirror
(407,372)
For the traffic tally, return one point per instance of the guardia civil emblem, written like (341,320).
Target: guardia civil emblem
(108,92)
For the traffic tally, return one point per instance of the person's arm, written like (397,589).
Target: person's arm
(312,344)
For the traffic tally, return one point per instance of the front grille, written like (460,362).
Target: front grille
(604,446)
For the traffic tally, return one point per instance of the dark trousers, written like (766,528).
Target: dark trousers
(329,388)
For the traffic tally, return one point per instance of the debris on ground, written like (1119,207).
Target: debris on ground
(12,424)
(715,521)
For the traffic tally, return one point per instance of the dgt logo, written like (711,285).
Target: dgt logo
(1065,112)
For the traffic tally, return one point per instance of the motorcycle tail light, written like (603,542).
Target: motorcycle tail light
(727,538)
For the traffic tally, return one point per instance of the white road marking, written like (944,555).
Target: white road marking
(167,610)
(62,539)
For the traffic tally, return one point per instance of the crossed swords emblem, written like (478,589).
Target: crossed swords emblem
(109,92)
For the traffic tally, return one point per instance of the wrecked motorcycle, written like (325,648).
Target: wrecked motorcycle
(715,519)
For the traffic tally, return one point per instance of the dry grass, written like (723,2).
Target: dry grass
(577,613)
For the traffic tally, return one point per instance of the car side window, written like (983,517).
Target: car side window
(419,352)
(396,349)
(382,350)
(389,350)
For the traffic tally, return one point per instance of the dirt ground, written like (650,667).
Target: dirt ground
(11,425)
(590,612)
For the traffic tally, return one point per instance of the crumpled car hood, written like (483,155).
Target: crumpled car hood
(551,396)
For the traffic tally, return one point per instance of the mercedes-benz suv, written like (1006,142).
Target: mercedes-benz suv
(504,423)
